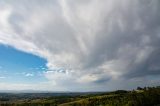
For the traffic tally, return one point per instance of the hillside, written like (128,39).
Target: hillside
(144,97)
(149,96)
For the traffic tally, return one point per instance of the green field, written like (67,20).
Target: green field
(149,96)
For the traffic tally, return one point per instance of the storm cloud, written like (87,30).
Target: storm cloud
(96,44)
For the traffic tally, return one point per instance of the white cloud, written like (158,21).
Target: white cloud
(29,74)
(92,41)
(2,77)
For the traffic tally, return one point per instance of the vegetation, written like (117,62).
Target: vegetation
(148,96)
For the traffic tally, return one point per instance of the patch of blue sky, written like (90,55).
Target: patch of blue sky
(17,66)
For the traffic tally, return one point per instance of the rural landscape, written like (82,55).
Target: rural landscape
(147,96)
(79,52)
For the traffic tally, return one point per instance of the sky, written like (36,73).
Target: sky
(79,45)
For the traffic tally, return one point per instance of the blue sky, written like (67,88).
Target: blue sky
(20,67)
(69,45)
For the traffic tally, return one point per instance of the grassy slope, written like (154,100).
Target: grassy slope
(150,97)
